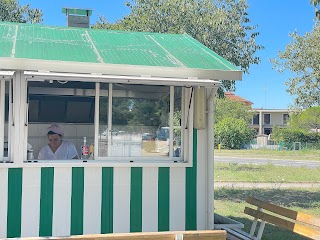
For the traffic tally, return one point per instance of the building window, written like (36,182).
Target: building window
(267,131)
(255,119)
(285,118)
(266,118)
(122,121)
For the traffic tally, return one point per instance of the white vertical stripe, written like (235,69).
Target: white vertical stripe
(20,130)
(3,201)
(92,200)
(150,200)
(121,200)
(201,179)
(62,202)
(177,198)
(30,206)
(96,120)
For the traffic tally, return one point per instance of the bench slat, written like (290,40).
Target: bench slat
(294,227)
(188,235)
(298,216)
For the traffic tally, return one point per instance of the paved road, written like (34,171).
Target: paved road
(265,185)
(277,162)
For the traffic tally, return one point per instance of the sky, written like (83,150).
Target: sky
(275,20)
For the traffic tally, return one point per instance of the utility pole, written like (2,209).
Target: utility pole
(265,95)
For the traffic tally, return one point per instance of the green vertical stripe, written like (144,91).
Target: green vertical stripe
(14,202)
(191,189)
(164,199)
(46,201)
(107,200)
(136,200)
(77,201)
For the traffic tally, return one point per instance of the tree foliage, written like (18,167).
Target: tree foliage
(11,11)
(225,108)
(288,136)
(233,133)
(303,127)
(316,3)
(301,57)
(221,25)
(308,120)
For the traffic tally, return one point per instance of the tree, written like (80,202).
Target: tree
(11,11)
(308,120)
(225,108)
(233,133)
(221,25)
(301,57)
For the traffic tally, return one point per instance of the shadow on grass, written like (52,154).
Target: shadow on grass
(270,232)
(290,198)
(283,197)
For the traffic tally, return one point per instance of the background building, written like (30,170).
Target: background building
(265,119)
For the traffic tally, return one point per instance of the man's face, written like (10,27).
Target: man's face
(54,140)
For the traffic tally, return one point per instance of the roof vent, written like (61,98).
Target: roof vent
(77,17)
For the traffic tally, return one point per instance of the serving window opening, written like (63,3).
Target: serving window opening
(118,121)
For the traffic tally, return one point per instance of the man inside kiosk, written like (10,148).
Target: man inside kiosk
(57,148)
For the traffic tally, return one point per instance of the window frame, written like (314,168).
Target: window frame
(264,120)
(254,117)
(285,118)
(141,159)
(186,132)
(5,77)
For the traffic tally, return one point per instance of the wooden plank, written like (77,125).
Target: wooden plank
(205,235)
(123,236)
(298,216)
(294,227)
(187,235)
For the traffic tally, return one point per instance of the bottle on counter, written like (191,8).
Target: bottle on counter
(91,151)
(84,149)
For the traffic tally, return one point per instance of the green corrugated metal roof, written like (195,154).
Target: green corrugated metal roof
(26,41)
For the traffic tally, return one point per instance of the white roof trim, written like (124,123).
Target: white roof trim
(41,76)
(117,69)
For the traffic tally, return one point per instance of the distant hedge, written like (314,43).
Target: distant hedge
(300,136)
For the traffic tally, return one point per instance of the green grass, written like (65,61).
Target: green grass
(264,173)
(313,155)
(230,202)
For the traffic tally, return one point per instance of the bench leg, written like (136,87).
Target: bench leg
(179,236)
(254,226)
(261,228)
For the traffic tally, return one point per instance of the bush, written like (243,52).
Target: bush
(299,136)
(233,133)
(289,136)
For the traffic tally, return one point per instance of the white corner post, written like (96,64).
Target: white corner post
(210,160)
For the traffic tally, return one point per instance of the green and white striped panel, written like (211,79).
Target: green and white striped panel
(65,201)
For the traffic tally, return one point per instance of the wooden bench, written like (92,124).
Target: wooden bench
(171,235)
(304,224)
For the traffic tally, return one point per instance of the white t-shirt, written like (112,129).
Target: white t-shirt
(65,151)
